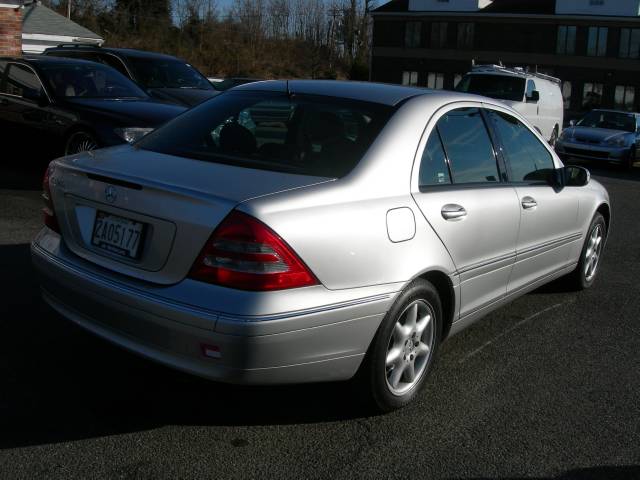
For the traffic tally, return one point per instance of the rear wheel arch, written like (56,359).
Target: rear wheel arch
(605,210)
(444,287)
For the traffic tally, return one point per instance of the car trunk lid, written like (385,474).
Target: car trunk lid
(175,202)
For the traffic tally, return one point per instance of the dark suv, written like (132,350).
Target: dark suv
(53,106)
(163,77)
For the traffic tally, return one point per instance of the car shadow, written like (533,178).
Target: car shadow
(59,383)
(605,472)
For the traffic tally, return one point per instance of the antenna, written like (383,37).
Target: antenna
(289,93)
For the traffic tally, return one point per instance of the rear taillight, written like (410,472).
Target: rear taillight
(49,212)
(244,253)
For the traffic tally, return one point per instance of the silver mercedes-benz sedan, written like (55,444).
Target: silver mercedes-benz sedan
(309,231)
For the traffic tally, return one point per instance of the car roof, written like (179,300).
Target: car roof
(386,94)
(610,110)
(45,60)
(125,52)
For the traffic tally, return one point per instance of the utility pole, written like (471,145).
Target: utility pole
(69,9)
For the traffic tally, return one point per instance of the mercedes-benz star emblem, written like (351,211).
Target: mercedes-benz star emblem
(110,193)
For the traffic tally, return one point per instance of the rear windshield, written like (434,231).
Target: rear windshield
(495,86)
(307,135)
(167,73)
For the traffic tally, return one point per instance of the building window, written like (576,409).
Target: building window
(566,40)
(410,78)
(625,97)
(566,94)
(465,35)
(435,80)
(592,95)
(630,43)
(456,79)
(438,34)
(597,41)
(412,34)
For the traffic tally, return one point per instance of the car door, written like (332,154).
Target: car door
(548,214)
(34,119)
(461,192)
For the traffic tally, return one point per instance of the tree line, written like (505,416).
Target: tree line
(249,38)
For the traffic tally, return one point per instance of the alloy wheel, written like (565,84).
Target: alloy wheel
(409,347)
(80,142)
(593,251)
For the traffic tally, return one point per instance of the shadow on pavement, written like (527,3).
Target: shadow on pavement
(631,472)
(60,383)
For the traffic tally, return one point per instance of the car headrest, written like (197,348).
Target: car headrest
(235,138)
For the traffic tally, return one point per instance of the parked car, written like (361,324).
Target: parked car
(534,95)
(53,106)
(602,136)
(163,77)
(347,238)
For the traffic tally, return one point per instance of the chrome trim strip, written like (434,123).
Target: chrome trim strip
(549,245)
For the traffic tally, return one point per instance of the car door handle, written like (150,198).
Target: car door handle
(528,203)
(451,211)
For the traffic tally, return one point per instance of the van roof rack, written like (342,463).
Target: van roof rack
(523,72)
(76,45)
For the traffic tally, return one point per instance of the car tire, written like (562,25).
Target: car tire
(80,141)
(585,273)
(631,160)
(404,348)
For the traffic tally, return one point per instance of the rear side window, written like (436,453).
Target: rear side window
(308,135)
(528,159)
(433,166)
(468,146)
(21,80)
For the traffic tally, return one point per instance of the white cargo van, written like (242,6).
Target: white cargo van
(536,96)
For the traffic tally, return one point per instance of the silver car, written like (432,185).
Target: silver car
(602,136)
(310,231)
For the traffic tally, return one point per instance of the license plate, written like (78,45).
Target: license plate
(117,235)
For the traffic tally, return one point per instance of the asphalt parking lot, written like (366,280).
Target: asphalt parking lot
(548,387)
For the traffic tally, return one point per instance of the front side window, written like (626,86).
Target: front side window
(528,159)
(433,166)
(21,81)
(624,98)
(306,135)
(566,43)
(412,34)
(592,95)
(75,80)
(597,41)
(468,146)
(503,87)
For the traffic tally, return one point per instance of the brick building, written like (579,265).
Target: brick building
(10,28)
(592,45)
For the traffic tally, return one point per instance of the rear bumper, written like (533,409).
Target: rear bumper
(323,344)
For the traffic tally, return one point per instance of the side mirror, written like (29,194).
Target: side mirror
(534,97)
(36,96)
(574,176)
(572,123)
